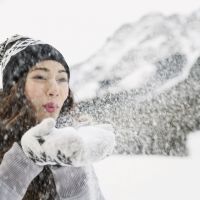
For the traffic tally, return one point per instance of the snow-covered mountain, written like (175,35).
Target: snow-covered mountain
(145,80)
(128,58)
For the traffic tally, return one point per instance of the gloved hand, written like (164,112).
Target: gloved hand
(99,142)
(32,140)
(81,146)
(64,147)
(45,144)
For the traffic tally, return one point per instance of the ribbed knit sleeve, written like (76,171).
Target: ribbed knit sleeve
(76,183)
(16,173)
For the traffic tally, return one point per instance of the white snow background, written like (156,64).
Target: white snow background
(152,177)
(78,29)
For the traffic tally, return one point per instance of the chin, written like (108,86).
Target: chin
(52,115)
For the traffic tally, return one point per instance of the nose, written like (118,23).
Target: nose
(52,89)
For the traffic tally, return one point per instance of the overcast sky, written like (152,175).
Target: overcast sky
(79,28)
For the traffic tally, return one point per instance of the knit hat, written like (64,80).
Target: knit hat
(18,54)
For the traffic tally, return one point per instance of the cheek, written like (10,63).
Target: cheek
(64,94)
(32,92)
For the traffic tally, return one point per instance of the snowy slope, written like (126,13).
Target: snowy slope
(152,177)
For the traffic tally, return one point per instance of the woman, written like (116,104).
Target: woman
(39,160)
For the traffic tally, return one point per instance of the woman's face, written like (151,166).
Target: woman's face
(47,88)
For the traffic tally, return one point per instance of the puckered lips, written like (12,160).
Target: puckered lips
(51,107)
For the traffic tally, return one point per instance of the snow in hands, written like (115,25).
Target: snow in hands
(47,145)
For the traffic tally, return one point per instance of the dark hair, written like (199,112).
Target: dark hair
(17,115)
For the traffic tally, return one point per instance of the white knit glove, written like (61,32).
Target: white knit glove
(99,142)
(47,145)
(32,140)
(64,147)
(79,147)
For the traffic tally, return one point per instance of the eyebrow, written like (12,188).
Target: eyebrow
(47,70)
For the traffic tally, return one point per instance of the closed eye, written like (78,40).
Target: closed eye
(39,77)
(62,80)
